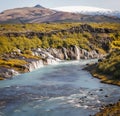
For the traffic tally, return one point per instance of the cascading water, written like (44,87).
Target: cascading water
(35,65)
(77,53)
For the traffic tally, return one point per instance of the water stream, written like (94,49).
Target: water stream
(56,90)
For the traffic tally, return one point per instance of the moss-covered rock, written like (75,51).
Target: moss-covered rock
(110,110)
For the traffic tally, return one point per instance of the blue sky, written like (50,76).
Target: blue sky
(108,4)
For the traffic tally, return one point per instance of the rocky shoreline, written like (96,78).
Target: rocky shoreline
(103,78)
(110,109)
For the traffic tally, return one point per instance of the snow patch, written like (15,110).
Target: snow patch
(80,9)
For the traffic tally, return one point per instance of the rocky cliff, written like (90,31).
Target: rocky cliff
(49,56)
(76,29)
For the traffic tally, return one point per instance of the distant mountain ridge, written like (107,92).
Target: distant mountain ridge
(38,14)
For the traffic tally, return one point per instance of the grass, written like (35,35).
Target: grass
(43,27)
(111,65)
(105,78)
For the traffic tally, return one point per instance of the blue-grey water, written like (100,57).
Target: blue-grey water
(57,90)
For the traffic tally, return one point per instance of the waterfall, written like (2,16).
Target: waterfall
(52,61)
(65,53)
(40,63)
(35,65)
(77,53)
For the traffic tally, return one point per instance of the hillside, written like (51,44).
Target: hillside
(40,14)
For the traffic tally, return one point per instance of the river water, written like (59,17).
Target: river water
(56,90)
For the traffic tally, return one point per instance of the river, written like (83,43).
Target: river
(56,90)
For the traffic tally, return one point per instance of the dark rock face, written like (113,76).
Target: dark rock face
(79,29)
(57,53)
(89,28)
(73,53)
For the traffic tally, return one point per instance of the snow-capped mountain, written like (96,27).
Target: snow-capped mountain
(88,10)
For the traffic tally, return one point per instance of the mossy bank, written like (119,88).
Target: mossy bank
(108,71)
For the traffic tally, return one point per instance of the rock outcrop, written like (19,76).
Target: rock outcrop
(75,53)
(7,73)
(77,29)
(34,65)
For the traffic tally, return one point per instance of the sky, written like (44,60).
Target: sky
(107,4)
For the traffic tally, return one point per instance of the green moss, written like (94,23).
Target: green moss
(111,65)
(13,63)
(43,27)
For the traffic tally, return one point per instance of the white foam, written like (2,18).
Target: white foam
(57,98)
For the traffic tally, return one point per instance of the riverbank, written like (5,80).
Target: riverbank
(103,78)
(111,109)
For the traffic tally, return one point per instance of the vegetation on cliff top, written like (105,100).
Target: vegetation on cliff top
(43,27)
(86,40)
(47,27)
(13,63)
